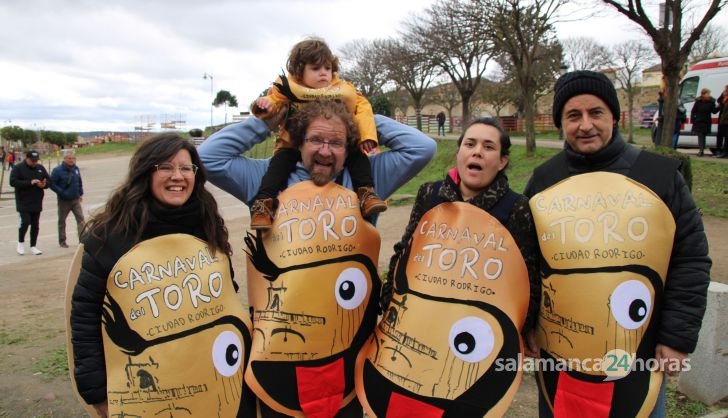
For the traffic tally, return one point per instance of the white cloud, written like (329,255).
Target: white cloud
(80,65)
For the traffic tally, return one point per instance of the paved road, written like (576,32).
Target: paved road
(100,177)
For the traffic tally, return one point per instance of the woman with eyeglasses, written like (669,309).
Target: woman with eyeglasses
(154,311)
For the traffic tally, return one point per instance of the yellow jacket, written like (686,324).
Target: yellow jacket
(286,91)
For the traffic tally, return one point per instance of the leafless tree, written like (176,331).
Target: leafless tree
(670,45)
(361,64)
(585,53)
(447,96)
(714,39)
(523,30)
(400,99)
(455,42)
(498,93)
(630,58)
(411,69)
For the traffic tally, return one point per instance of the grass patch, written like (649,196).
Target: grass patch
(710,187)
(10,339)
(55,363)
(109,147)
(680,406)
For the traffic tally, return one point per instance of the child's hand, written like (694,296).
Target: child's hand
(367,146)
(264,104)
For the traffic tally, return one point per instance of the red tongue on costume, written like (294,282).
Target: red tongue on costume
(321,389)
(577,398)
(401,406)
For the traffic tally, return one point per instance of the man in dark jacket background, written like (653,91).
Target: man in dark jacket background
(29,178)
(587,109)
(66,183)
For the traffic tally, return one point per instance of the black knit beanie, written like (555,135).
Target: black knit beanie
(584,82)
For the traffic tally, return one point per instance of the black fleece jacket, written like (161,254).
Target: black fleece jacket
(688,275)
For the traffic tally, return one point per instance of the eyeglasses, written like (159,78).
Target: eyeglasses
(317,143)
(167,169)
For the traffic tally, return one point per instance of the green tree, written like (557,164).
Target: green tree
(71,138)
(225,98)
(381,105)
(54,137)
(12,133)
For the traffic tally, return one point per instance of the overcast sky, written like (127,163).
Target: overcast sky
(79,65)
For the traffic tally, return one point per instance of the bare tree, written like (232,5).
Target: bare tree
(631,58)
(670,45)
(585,53)
(523,31)
(455,42)
(712,41)
(498,93)
(361,65)
(447,96)
(401,100)
(410,69)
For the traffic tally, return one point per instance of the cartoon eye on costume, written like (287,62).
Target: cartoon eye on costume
(227,353)
(351,288)
(631,303)
(471,339)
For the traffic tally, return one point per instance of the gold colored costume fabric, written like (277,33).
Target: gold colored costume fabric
(176,337)
(461,292)
(313,286)
(606,241)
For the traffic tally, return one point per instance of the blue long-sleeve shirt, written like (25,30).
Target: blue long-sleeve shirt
(410,150)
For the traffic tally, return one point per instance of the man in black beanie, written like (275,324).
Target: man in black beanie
(661,315)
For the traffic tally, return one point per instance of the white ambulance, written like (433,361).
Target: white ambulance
(713,75)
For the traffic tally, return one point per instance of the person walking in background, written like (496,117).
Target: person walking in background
(721,140)
(11,160)
(3,156)
(29,178)
(441,123)
(700,117)
(66,183)
(679,119)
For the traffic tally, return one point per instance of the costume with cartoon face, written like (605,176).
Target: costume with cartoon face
(460,300)
(606,242)
(176,337)
(313,287)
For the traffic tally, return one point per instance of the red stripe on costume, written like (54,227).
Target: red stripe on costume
(401,406)
(321,389)
(577,398)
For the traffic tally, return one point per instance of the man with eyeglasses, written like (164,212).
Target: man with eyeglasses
(323,141)
(66,183)
(326,288)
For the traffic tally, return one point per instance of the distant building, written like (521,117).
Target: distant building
(652,76)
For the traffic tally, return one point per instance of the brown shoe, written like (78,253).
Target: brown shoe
(369,202)
(261,214)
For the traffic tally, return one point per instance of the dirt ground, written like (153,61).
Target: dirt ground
(32,326)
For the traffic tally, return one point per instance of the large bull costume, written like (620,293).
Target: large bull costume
(175,335)
(313,287)
(460,299)
(606,242)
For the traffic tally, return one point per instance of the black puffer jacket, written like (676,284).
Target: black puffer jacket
(701,117)
(88,295)
(28,197)
(688,275)
(520,225)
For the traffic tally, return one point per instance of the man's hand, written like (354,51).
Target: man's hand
(264,104)
(34,182)
(80,199)
(671,361)
(530,345)
(275,119)
(42,183)
(367,146)
(102,409)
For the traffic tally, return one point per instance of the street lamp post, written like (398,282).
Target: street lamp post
(205,77)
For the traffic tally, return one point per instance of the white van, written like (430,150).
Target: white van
(713,75)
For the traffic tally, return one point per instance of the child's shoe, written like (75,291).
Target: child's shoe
(369,202)
(261,214)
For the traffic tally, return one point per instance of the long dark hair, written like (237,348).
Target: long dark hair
(127,210)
